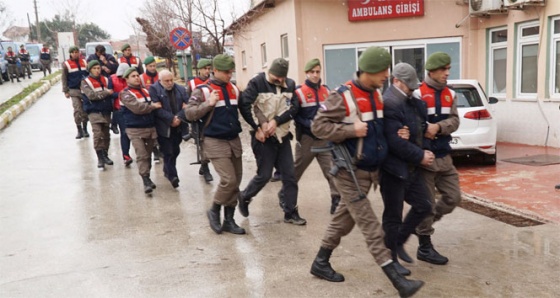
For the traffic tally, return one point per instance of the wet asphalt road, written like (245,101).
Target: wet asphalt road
(68,229)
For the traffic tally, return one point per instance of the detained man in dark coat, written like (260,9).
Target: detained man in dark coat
(173,99)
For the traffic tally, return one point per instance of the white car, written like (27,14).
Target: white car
(478,129)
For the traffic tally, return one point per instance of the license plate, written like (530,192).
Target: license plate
(454,141)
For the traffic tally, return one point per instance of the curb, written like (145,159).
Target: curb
(9,115)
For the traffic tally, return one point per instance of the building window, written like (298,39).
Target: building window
(555,57)
(413,55)
(497,68)
(243,60)
(263,54)
(527,56)
(284,45)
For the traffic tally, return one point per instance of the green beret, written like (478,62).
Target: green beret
(223,62)
(279,67)
(203,62)
(91,64)
(73,49)
(437,60)
(129,71)
(374,60)
(311,64)
(125,46)
(149,59)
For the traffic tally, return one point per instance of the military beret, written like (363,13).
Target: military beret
(223,62)
(125,46)
(203,62)
(374,60)
(311,64)
(279,67)
(149,59)
(129,71)
(73,49)
(437,60)
(91,64)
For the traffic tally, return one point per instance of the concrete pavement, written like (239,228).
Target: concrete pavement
(70,230)
(9,89)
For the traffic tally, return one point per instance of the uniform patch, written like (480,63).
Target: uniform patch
(309,95)
(448,98)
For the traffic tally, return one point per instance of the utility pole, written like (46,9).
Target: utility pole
(37,21)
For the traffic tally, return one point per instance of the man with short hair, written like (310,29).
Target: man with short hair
(150,76)
(353,117)
(24,57)
(46,59)
(215,103)
(11,57)
(130,59)
(108,63)
(74,70)
(173,98)
(204,67)
(310,96)
(270,96)
(97,93)
(400,177)
(138,114)
(443,119)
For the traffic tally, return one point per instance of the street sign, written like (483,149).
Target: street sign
(180,38)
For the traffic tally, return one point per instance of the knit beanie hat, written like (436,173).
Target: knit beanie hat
(279,67)
(203,62)
(129,71)
(437,60)
(73,49)
(123,67)
(149,59)
(405,73)
(374,60)
(125,46)
(222,62)
(311,64)
(91,64)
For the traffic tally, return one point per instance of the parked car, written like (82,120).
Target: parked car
(90,48)
(478,129)
(34,50)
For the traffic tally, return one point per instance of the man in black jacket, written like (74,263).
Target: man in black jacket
(173,99)
(108,63)
(400,178)
(271,97)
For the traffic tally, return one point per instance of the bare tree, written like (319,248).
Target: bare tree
(5,19)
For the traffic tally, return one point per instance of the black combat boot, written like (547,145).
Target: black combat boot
(106,159)
(80,132)
(294,218)
(322,267)
(84,128)
(204,170)
(405,287)
(156,153)
(229,224)
(400,268)
(115,128)
(100,160)
(335,199)
(427,253)
(214,218)
(147,184)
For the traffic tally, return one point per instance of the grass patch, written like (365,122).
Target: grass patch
(26,91)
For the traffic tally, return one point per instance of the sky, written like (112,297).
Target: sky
(113,16)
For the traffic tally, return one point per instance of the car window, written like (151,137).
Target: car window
(33,50)
(467,98)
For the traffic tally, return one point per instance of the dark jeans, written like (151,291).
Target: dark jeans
(125,141)
(170,149)
(394,191)
(268,154)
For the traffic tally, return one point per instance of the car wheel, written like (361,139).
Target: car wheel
(489,159)
(5,76)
